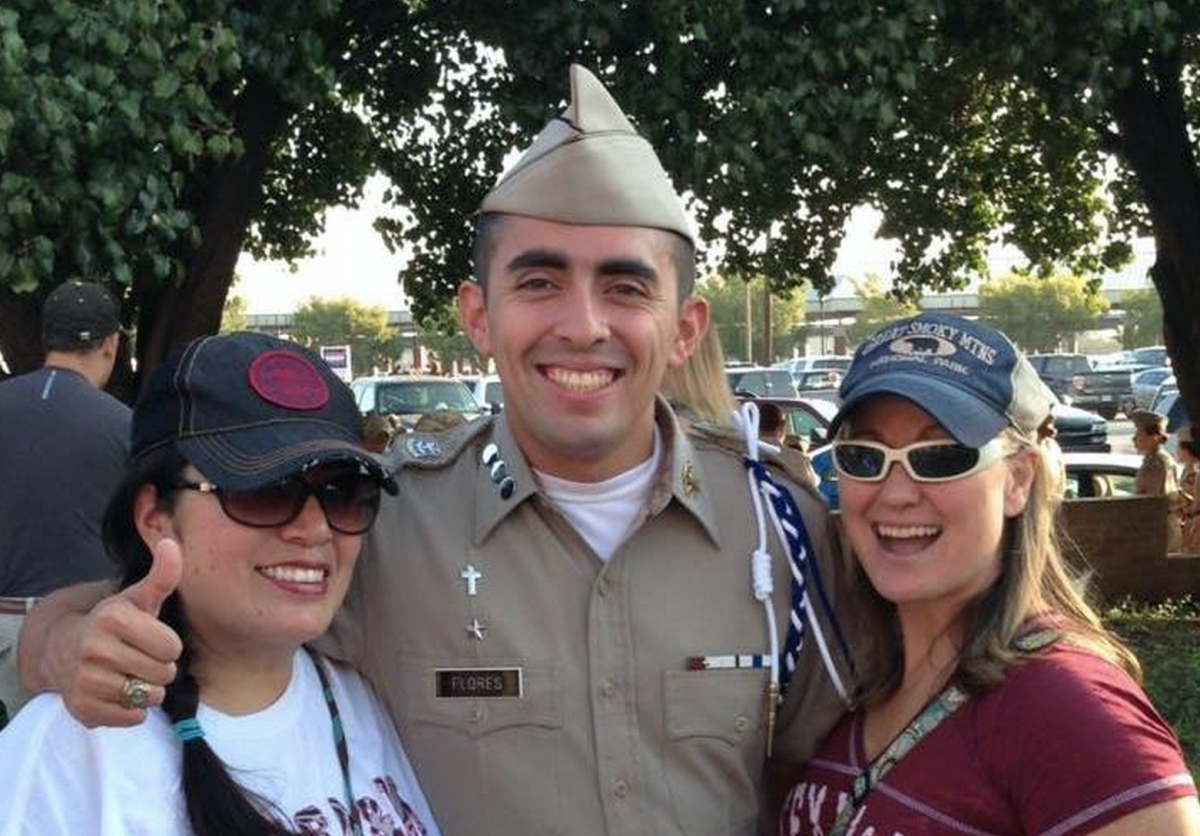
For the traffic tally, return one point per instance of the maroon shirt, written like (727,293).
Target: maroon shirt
(1066,744)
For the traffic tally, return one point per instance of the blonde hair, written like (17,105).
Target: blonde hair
(1035,581)
(699,389)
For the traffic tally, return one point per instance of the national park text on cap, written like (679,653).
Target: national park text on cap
(969,377)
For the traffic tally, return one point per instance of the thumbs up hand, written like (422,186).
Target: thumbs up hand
(121,646)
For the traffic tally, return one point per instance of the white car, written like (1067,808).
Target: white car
(488,392)
(1100,474)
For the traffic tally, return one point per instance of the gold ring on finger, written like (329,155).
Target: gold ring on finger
(136,692)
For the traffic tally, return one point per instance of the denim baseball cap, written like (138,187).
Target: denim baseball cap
(969,377)
(249,410)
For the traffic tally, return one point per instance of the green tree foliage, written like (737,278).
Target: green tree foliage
(1143,319)
(443,336)
(878,308)
(233,317)
(726,297)
(1040,314)
(962,122)
(344,321)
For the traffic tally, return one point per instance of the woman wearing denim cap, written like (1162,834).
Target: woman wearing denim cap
(994,700)
(247,473)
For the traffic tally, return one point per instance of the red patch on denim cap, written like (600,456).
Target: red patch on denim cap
(288,380)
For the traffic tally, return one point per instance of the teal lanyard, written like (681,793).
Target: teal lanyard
(938,709)
(339,742)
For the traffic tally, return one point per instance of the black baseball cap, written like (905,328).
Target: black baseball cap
(78,313)
(249,410)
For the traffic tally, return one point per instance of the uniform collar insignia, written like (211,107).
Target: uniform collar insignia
(503,480)
(685,472)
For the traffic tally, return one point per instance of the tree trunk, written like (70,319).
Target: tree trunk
(1154,142)
(20,330)
(172,316)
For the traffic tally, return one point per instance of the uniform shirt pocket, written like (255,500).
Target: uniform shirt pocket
(714,749)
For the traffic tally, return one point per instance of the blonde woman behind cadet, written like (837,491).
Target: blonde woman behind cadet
(699,389)
(244,505)
(994,699)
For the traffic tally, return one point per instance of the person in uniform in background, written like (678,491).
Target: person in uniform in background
(1187,505)
(62,447)
(1157,475)
(377,432)
(248,481)
(995,701)
(699,390)
(573,614)
(438,422)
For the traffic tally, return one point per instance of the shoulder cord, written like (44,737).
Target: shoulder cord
(339,742)
(937,710)
(790,528)
(761,582)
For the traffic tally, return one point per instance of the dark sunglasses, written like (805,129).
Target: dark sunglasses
(924,461)
(350,502)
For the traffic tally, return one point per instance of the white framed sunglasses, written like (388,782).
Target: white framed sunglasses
(943,460)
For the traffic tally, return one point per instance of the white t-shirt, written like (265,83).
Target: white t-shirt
(604,512)
(58,778)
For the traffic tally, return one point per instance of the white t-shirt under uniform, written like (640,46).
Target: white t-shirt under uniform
(58,778)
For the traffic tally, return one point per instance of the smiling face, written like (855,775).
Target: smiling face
(929,547)
(583,322)
(246,590)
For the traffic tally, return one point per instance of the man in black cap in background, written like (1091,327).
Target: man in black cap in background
(62,451)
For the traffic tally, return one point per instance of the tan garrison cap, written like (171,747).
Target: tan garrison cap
(589,166)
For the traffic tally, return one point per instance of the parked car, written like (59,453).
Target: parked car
(807,418)
(1072,378)
(1145,386)
(819,384)
(1155,355)
(410,397)
(1167,402)
(488,392)
(1100,474)
(1080,430)
(816,363)
(758,381)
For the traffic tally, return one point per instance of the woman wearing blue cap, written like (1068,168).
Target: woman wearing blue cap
(248,475)
(994,700)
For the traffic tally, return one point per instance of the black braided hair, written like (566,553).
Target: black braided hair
(217,805)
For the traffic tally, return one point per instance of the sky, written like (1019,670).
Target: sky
(351,260)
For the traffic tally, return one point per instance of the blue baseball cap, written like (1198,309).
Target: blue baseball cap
(969,377)
(249,409)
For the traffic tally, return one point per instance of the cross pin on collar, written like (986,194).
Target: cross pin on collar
(471,576)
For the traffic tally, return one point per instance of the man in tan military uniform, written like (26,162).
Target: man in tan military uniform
(558,609)
(540,686)
(1157,474)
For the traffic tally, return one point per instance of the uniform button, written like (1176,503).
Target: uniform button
(620,789)
(741,723)
(475,715)
(602,587)
(608,689)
